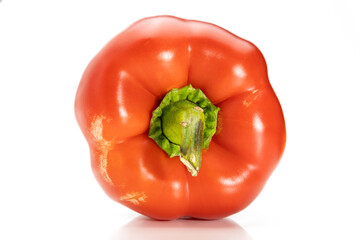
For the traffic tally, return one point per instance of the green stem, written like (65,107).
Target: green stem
(183,125)
(191,144)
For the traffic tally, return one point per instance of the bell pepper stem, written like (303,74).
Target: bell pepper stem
(191,143)
(183,125)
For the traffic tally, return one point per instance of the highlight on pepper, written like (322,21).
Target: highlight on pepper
(181,119)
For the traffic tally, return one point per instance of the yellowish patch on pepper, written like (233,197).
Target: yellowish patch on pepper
(252,96)
(96,130)
(134,197)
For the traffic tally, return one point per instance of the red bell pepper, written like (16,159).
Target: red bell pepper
(181,119)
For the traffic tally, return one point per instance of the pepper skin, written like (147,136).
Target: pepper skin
(126,81)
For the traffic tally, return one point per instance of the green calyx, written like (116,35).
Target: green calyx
(183,124)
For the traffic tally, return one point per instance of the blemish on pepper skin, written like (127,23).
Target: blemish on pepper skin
(252,96)
(96,130)
(134,197)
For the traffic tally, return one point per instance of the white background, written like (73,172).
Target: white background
(47,188)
